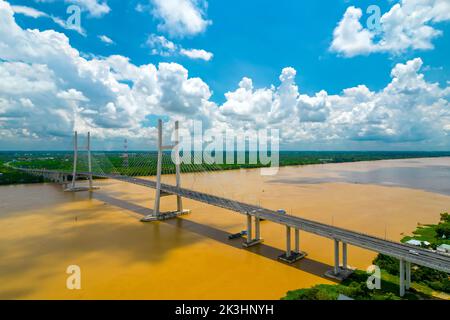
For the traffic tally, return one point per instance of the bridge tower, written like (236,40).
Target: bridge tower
(75,159)
(157,215)
(73,187)
(89,160)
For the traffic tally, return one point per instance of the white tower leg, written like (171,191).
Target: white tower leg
(178,166)
(89,160)
(75,159)
(158,171)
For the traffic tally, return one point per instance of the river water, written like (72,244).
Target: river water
(44,230)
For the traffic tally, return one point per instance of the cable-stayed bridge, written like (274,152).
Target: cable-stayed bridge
(132,166)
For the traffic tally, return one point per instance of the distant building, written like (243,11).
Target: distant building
(445,248)
(418,243)
(414,242)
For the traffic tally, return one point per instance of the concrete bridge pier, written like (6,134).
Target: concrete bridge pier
(292,256)
(405,276)
(65,180)
(253,241)
(408,275)
(402,278)
(344,255)
(340,271)
(336,257)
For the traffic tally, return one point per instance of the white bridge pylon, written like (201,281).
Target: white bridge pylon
(157,214)
(72,187)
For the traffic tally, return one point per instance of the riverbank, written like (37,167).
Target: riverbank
(140,163)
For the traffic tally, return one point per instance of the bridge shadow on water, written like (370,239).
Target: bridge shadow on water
(307,265)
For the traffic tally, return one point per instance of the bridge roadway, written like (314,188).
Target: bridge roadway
(398,250)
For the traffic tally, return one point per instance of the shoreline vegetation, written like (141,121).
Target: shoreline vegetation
(143,163)
(426,283)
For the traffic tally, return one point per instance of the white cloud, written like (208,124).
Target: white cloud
(197,54)
(409,24)
(349,37)
(34,13)
(48,89)
(140,7)
(314,109)
(181,17)
(72,94)
(161,46)
(28,11)
(408,110)
(106,39)
(110,96)
(95,8)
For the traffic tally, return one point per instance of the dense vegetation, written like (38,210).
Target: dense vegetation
(45,160)
(10,176)
(144,163)
(355,286)
(434,234)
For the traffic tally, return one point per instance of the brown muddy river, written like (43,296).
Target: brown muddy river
(44,230)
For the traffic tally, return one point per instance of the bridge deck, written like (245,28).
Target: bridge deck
(407,252)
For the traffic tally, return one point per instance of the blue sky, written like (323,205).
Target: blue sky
(257,40)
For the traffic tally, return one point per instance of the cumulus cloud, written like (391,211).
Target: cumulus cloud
(408,109)
(109,96)
(409,24)
(197,54)
(180,17)
(48,89)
